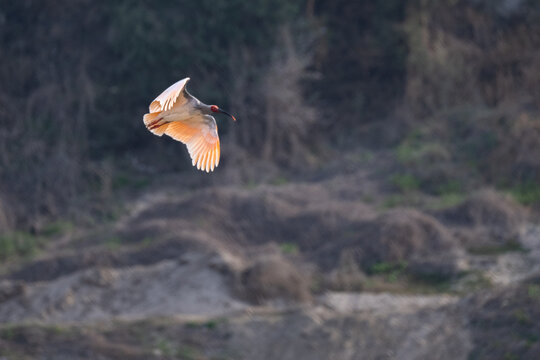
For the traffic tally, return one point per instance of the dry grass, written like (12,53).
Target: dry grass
(487,222)
(462,53)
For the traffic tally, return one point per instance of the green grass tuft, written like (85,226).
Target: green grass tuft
(165,348)
(188,353)
(394,201)
(527,194)
(57,228)
(124,180)
(8,333)
(522,316)
(447,201)
(451,186)
(18,243)
(393,271)
(405,182)
(113,243)
(279,181)
(534,291)
(509,246)
(289,248)
(416,151)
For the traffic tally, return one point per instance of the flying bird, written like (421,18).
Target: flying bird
(185,118)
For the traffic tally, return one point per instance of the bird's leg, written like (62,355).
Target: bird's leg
(154,126)
(153,123)
(157,124)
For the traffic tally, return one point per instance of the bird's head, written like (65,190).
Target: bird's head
(216,109)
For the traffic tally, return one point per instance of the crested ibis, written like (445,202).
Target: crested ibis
(185,118)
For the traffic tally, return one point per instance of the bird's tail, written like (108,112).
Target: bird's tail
(155,124)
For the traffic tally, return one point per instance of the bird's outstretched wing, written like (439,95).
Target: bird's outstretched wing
(170,96)
(200,134)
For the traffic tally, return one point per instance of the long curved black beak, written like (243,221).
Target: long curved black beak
(226,113)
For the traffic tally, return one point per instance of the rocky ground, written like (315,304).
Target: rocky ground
(319,268)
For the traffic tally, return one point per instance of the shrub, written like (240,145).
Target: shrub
(18,244)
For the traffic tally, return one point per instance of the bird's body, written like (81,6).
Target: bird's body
(183,117)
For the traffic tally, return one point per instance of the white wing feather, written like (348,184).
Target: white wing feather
(166,100)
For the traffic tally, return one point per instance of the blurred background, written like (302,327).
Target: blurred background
(378,197)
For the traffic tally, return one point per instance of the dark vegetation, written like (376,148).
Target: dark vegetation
(78,75)
(382,146)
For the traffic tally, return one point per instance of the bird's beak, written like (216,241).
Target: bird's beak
(226,113)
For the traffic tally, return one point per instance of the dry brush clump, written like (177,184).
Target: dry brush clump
(272,277)
(426,245)
(486,222)
(277,122)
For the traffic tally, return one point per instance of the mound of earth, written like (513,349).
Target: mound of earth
(233,239)
(193,283)
(316,219)
(486,220)
(399,236)
(56,265)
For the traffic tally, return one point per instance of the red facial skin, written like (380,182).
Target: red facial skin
(216,109)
